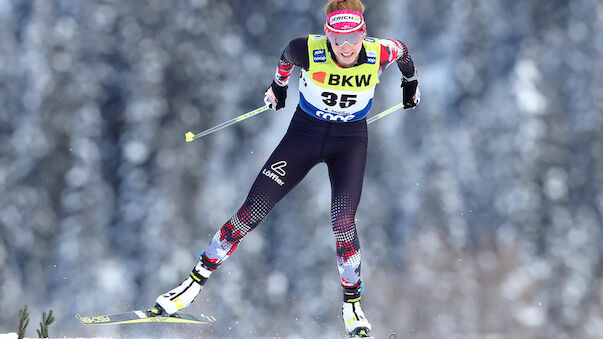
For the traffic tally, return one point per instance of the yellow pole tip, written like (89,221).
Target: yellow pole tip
(189,136)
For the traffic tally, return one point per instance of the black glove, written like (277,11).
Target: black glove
(411,96)
(276,93)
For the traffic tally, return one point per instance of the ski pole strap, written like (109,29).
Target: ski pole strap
(190,136)
(384,113)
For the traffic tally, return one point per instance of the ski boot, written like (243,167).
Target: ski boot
(184,294)
(355,322)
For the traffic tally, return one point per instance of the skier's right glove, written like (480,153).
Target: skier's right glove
(411,96)
(275,96)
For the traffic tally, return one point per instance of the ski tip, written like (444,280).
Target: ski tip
(91,320)
(83,320)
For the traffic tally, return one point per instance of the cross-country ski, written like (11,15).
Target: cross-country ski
(145,316)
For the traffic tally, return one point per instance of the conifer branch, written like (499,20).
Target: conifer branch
(46,321)
(23,322)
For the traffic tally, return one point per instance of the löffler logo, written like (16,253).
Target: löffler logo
(277,171)
(278,167)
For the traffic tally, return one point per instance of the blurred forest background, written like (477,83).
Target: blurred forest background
(482,209)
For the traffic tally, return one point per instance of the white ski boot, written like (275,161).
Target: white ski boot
(185,293)
(355,322)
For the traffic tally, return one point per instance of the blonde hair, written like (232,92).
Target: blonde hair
(340,5)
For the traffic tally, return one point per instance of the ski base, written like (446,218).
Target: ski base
(145,316)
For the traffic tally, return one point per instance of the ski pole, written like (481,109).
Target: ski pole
(384,113)
(190,136)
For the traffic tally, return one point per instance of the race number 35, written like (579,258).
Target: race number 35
(345,101)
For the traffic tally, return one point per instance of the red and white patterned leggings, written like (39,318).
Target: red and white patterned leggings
(308,141)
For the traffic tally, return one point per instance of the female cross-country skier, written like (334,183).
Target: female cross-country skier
(339,72)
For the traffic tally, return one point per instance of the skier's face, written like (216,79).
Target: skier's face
(347,54)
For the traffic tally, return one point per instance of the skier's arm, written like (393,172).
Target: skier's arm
(395,50)
(295,54)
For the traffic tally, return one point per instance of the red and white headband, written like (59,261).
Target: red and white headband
(345,21)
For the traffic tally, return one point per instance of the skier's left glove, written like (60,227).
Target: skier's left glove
(411,96)
(275,96)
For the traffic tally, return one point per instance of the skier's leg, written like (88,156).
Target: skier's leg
(285,168)
(346,170)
